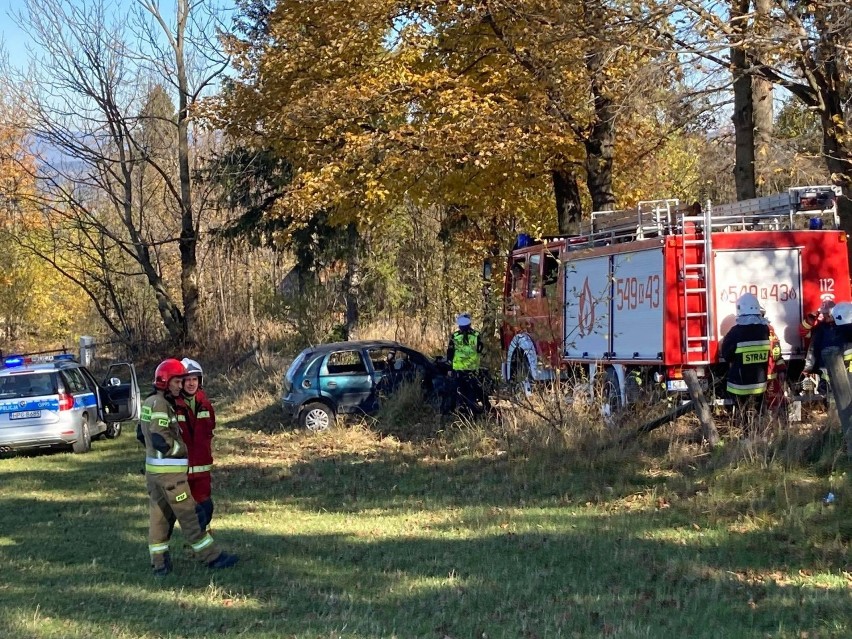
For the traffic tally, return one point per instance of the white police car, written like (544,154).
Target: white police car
(49,400)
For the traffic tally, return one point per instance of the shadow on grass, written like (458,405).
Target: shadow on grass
(492,549)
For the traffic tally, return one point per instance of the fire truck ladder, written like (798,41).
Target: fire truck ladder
(789,210)
(697,278)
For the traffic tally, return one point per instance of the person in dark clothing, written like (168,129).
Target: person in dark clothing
(834,330)
(463,354)
(842,314)
(746,348)
(825,333)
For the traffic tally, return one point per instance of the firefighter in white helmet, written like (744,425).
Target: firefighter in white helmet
(834,330)
(197,421)
(842,314)
(823,335)
(746,348)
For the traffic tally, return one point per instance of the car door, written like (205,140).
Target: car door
(121,399)
(346,379)
(382,360)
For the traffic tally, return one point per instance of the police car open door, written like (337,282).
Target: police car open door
(120,396)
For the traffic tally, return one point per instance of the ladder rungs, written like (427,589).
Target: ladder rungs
(694,274)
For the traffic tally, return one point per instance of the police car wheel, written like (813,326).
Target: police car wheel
(84,441)
(316,417)
(113,430)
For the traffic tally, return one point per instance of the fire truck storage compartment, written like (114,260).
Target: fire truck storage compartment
(614,306)
(774,276)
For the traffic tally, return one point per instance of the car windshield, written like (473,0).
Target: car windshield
(27,385)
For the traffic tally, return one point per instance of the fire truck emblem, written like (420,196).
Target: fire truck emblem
(586,314)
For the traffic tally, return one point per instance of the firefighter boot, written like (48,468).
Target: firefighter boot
(165,568)
(224,560)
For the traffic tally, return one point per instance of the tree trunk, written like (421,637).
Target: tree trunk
(567,193)
(188,239)
(224,326)
(600,141)
(702,407)
(352,282)
(838,157)
(762,112)
(743,117)
(839,377)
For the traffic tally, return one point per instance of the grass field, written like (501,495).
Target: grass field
(353,535)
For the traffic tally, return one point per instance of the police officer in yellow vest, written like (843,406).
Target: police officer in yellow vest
(166,467)
(465,346)
(463,353)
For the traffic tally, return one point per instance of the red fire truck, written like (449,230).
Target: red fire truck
(640,295)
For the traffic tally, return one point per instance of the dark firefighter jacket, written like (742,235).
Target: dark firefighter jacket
(746,349)
(826,334)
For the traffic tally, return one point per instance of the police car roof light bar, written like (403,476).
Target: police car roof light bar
(43,357)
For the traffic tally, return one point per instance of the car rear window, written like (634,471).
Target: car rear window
(27,385)
(294,367)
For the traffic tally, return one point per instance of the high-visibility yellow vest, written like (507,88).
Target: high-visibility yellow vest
(465,355)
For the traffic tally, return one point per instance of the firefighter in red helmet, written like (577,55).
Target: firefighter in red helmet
(197,421)
(166,467)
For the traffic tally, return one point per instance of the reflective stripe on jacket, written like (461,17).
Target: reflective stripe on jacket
(746,348)
(161,465)
(158,422)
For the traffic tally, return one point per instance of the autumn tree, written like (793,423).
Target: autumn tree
(37,305)
(97,94)
(482,107)
(802,47)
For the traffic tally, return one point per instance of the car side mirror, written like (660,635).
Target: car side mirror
(486,270)
(114,381)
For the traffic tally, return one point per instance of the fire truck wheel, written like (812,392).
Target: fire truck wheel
(611,395)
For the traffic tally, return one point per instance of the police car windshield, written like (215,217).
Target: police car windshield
(27,385)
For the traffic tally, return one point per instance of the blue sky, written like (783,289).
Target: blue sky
(14,41)
(11,36)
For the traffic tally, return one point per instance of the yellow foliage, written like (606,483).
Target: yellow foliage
(468,105)
(38,304)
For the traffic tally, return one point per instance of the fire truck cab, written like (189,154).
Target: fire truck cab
(638,296)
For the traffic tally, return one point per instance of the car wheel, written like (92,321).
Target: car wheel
(113,430)
(84,441)
(316,417)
